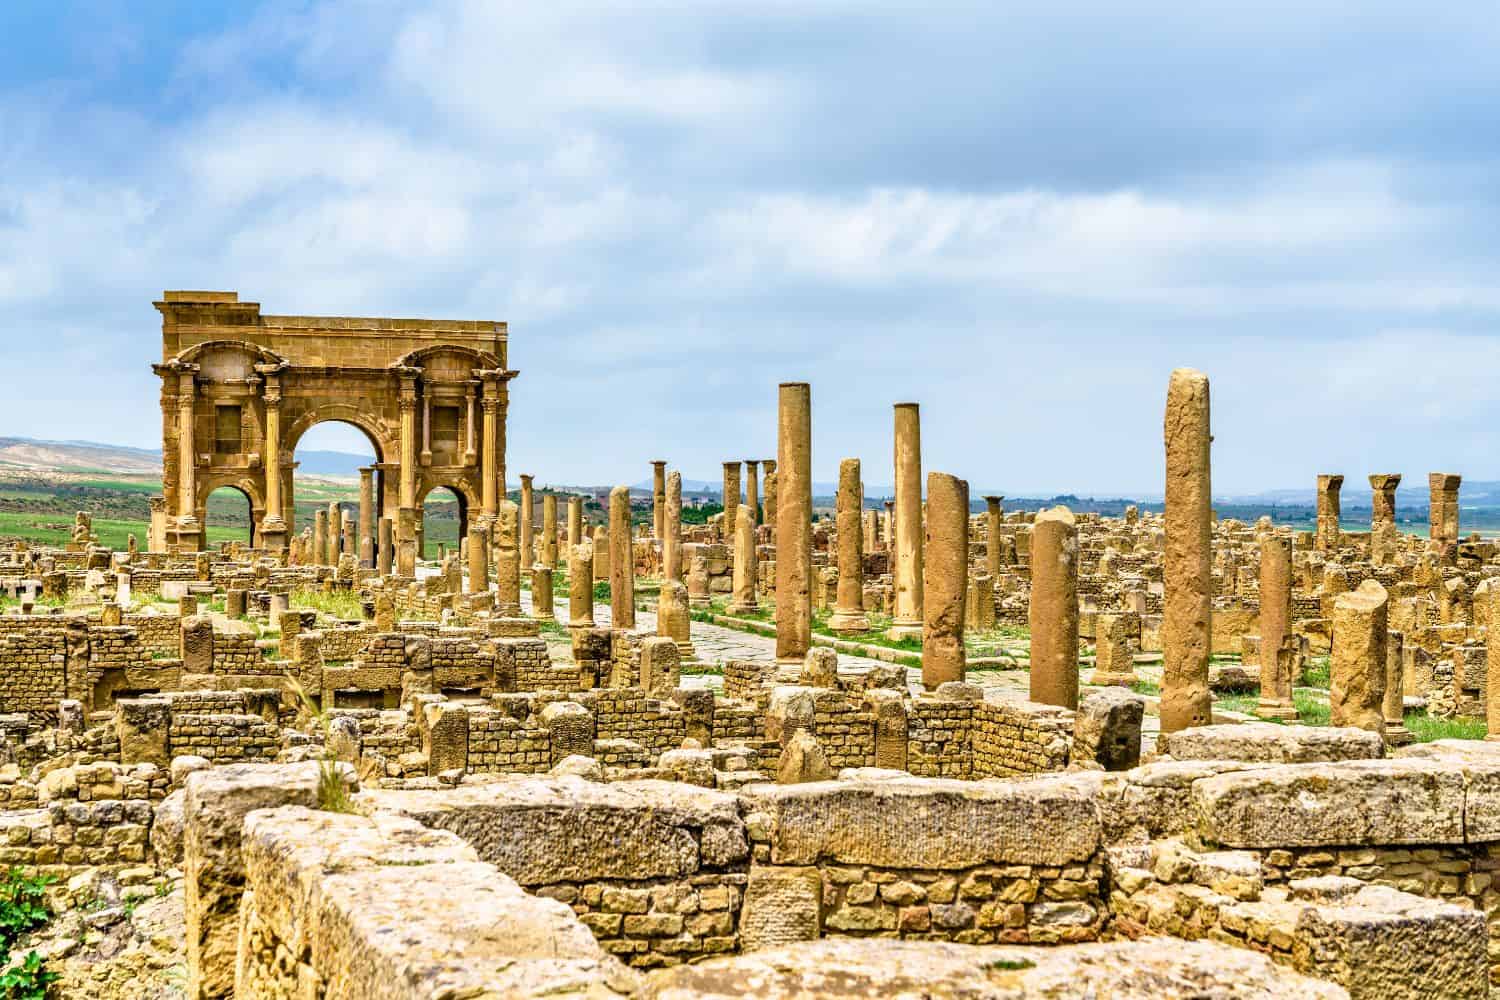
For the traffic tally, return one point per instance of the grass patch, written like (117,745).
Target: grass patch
(1142,686)
(1316,673)
(345,604)
(1427,728)
(1311,710)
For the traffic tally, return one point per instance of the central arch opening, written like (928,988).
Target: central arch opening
(445,519)
(326,463)
(228,516)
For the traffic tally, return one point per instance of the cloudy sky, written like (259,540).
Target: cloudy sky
(1020,215)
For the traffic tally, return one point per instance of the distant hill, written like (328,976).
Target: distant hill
(32,455)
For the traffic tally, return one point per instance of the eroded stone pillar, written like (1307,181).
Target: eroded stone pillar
(793,522)
(1053,611)
(768,491)
(673,619)
(621,562)
(746,573)
(1358,664)
(731,498)
(367,516)
(549,530)
(479,560)
(658,498)
(1492,669)
(1383,534)
(575,520)
(507,561)
(907,619)
(1393,702)
(581,585)
(945,570)
(849,605)
(527,548)
(671,545)
(1327,538)
(320,536)
(1443,507)
(1277,644)
(542,602)
(993,515)
(385,551)
(752,489)
(335,531)
(1187,565)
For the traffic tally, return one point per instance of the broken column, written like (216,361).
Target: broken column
(768,492)
(549,530)
(527,550)
(1327,537)
(849,606)
(1442,512)
(794,522)
(507,561)
(479,560)
(1114,659)
(542,603)
(1053,612)
(320,535)
(743,599)
(946,572)
(673,619)
(659,498)
(907,620)
(1383,533)
(671,544)
(581,585)
(1277,643)
(1492,669)
(621,562)
(1187,566)
(367,517)
(731,498)
(1393,703)
(385,549)
(575,520)
(752,491)
(1358,664)
(992,518)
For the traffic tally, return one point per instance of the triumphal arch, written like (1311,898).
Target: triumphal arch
(240,388)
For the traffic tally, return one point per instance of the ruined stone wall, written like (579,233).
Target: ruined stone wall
(526,660)
(939,738)
(1019,738)
(845,729)
(223,738)
(628,714)
(339,645)
(502,744)
(737,721)
(236,653)
(160,635)
(33,672)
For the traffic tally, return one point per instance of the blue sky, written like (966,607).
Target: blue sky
(1020,215)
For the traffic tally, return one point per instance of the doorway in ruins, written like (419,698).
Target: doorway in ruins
(445,519)
(229,516)
(326,462)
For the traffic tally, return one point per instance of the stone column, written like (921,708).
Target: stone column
(731,498)
(385,551)
(993,515)
(768,491)
(1277,645)
(658,498)
(479,560)
(1187,566)
(273,527)
(673,620)
(743,600)
(849,606)
(1443,507)
(870,522)
(490,448)
(1393,702)
(621,560)
(189,528)
(1328,512)
(1357,693)
(406,515)
(671,545)
(542,603)
(794,522)
(1053,612)
(426,425)
(1383,533)
(575,520)
(549,530)
(601,552)
(367,516)
(335,528)
(752,490)
(888,525)
(946,569)
(528,549)
(1492,669)
(907,619)
(320,536)
(507,561)
(581,585)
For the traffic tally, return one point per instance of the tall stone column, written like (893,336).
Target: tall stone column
(507,561)
(992,520)
(768,492)
(946,569)
(385,551)
(794,522)
(752,490)
(1383,533)
(1277,645)
(744,600)
(731,498)
(157,535)
(1327,538)
(335,528)
(479,560)
(1443,507)
(849,605)
(671,545)
(1492,669)
(273,528)
(490,446)
(575,520)
(549,530)
(888,525)
(870,521)
(320,536)
(907,620)
(1053,612)
(543,607)
(527,550)
(189,528)
(621,560)
(1393,702)
(406,515)
(1187,567)
(658,498)
(581,585)
(1357,691)
(366,516)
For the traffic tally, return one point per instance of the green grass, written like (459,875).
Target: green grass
(54,529)
(1142,686)
(1426,728)
(344,604)
(1316,673)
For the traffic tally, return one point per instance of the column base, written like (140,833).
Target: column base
(273,533)
(849,622)
(736,608)
(1398,735)
(1276,710)
(904,630)
(1104,678)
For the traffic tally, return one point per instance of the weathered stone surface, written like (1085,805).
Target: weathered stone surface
(782,905)
(1187,565)
(1354,803)
(1269,743)
(1151,969)
(1107,728)
(929,822)
(802,760)
(545,830)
